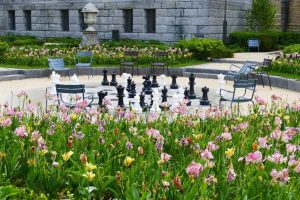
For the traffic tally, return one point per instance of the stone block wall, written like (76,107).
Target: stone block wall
(175,19)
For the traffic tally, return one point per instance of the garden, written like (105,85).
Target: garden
(87,153)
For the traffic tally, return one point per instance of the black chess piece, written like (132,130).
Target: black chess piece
(174,84)
(204,100)
(192,84)
(132,92)
(128,88)
(101,96)
(154,83)
(120,95)
(142,100)
(148,89)
(105,81)
(113,80)
(146,78)
(186,97)
(164,94)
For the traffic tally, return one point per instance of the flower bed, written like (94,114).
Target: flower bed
(102,55)
(83,153)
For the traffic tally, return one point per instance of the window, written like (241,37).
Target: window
(151,20)
(27,20)
(83,26)
(128,19)
(11,20)
(64,15)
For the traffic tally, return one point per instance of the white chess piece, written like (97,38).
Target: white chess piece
(54,80)
(220,83)
(75,80)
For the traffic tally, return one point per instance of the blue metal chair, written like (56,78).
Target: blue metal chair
(69,91)
(243,72)
(84,60)
(130,60)
(248,89)
(58,65)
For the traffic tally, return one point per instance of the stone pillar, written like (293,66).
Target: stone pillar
(294,16)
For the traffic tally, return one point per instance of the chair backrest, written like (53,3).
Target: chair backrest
(267,62)
(70,89)
(247,67)
(85,56)
(160,54)
(249,84)
(253,42)
(56,63)
(131,53)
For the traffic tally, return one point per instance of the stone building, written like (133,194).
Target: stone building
(165,20)
(288,15)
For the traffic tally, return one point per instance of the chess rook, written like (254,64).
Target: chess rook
(204,100)
(113,80)
(174,84)
(154,83)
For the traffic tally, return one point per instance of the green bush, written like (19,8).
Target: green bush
(292,49)
(3,47)
(11,38)
(269,40)
(202,48)
(135,43)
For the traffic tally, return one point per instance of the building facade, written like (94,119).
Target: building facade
(288,15)
(165,20)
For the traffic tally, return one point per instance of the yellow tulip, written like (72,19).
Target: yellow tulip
(128,161)
(89,176)
(66,156)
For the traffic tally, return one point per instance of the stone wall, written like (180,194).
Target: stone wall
(175,19)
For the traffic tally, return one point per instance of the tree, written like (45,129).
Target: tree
(261,16)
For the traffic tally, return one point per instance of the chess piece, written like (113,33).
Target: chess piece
(154,83)
(192,83)
(174,84)
(101,96)
(120,96)
(105,81)
(142,100)
(186,97)
(146,78)
(75,79)
(128,88)
(113,80)
(148,89)
(164,94)
(132,92)
(204,100)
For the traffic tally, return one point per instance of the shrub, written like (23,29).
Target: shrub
(3,47)
(292,49)
(269,40)
(202,48)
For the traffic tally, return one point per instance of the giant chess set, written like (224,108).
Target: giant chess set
(153,94)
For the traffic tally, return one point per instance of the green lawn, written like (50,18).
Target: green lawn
(293,76)
(191,63)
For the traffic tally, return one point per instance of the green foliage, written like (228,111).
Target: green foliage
(135,43)
(269,40)
(292,49)
(285,65)
(202,48)
(3,47)
(261,16)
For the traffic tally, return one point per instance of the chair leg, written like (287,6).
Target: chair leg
(269,81)
(262,80)
(132,70)
(137,69)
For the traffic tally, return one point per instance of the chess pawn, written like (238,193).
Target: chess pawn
(105,81)
(164,94)
(204,100)
(148,89)
(186,97)
(174,84)
(154,83)
(128,88)
(132,92)
(142,100)
(113,80)
(101,96)
(120,95)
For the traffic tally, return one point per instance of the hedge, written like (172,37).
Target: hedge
(269,40)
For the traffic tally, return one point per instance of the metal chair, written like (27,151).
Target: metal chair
(131,60)
(247,87)
(262,71)
(69,92)
(160,58)
(58,65)
(243,72)
(84,60)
